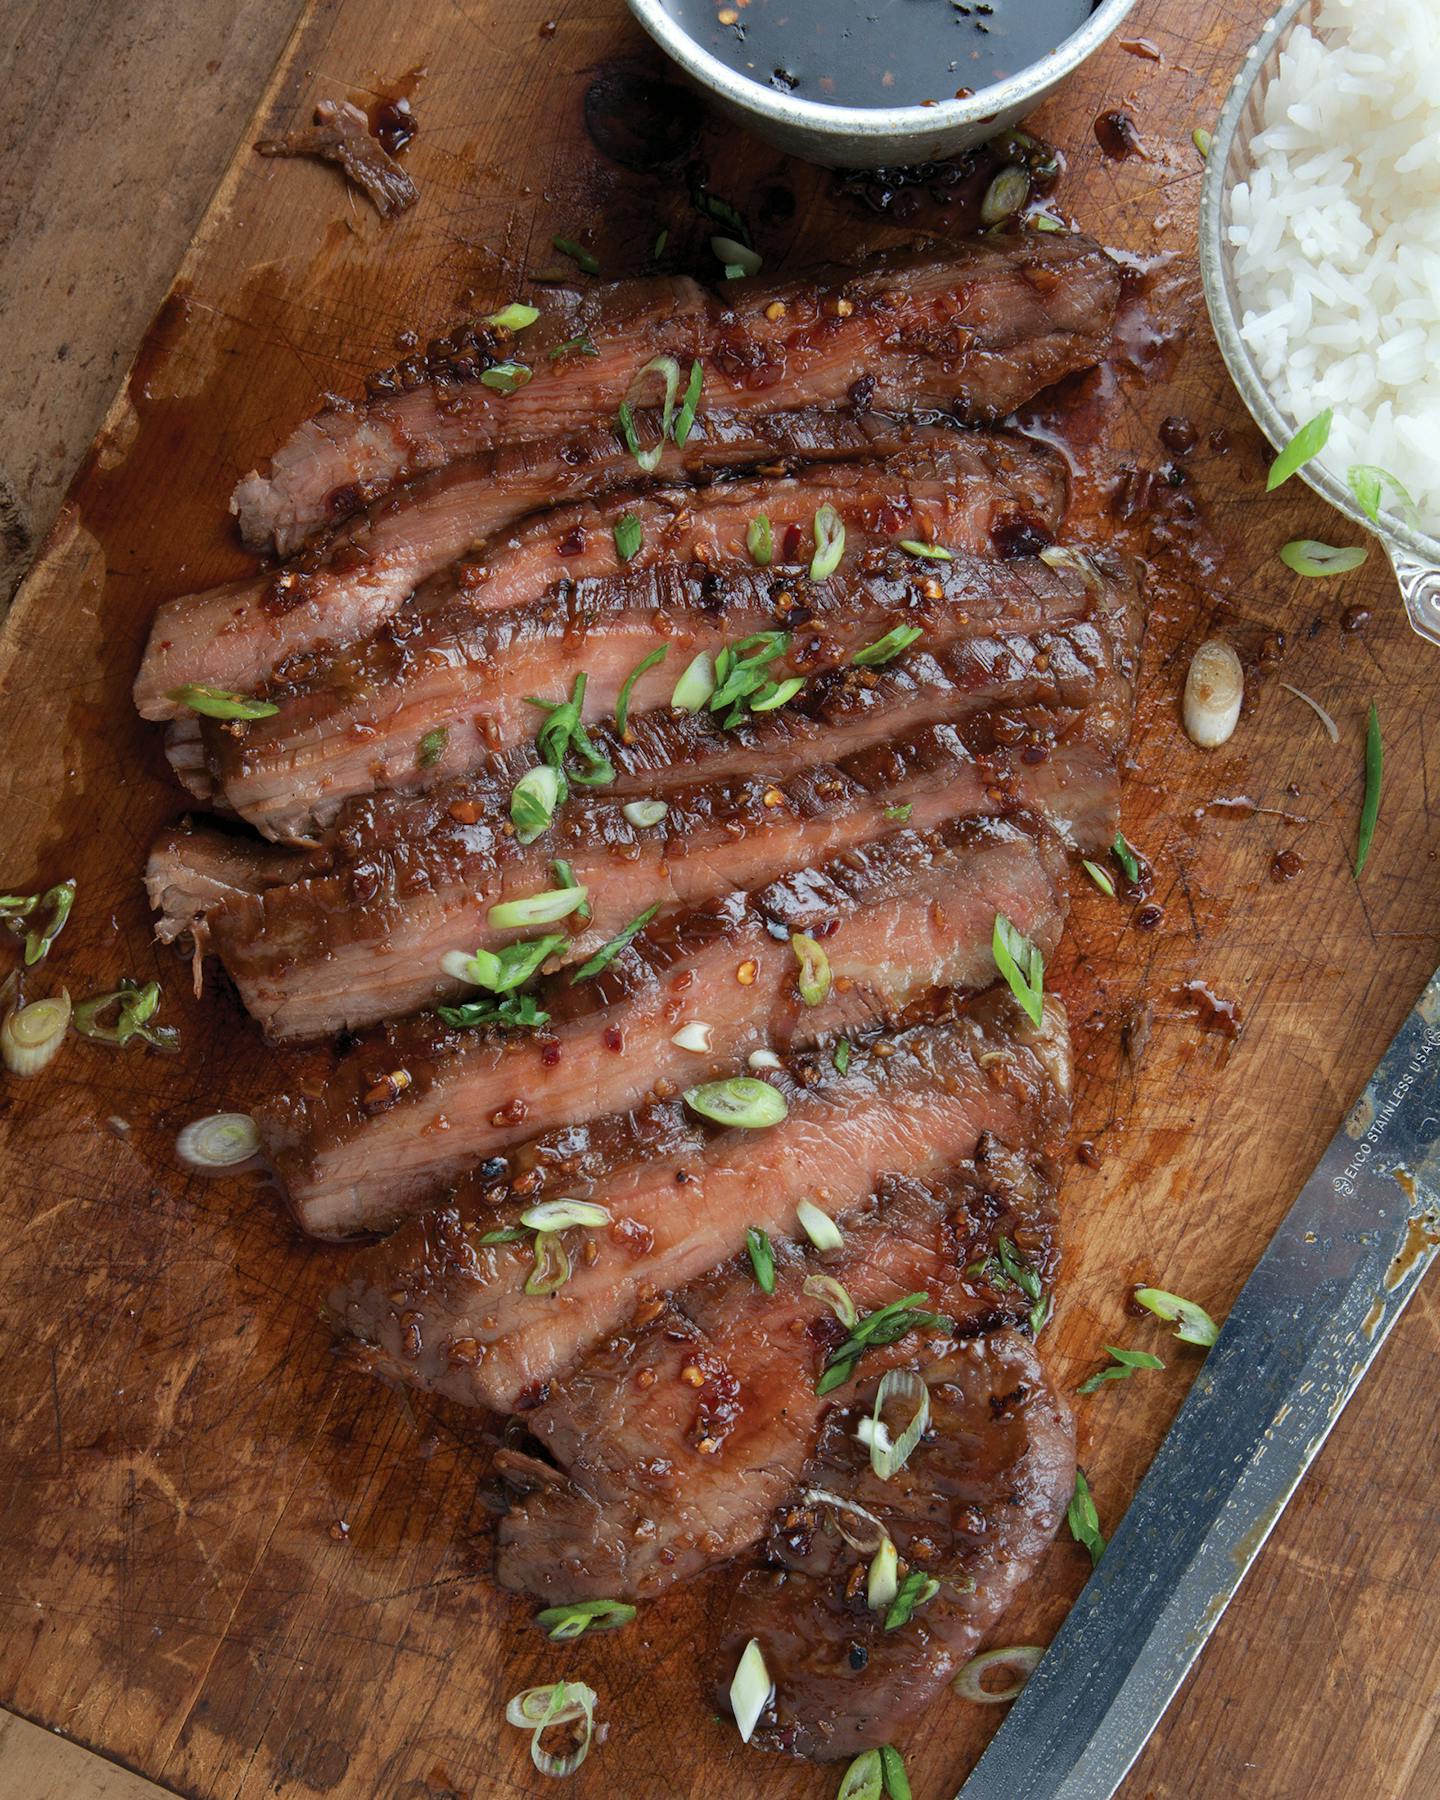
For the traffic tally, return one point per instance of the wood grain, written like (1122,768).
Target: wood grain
(225,1565)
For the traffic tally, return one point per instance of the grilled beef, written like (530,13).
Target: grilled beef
(417,1103)
(441,1309)
(350,581)
(413,707)
(675,1443)
(973,1508)
(979,331)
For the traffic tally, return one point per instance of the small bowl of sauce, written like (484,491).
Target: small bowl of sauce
(862,84)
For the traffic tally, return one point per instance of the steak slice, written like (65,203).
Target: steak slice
(675,1444)
(441,1309)
(974,1508)
(346,584)
(418,1103)
(458,678)
(979,331)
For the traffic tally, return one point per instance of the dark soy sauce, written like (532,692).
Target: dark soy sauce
(879,52)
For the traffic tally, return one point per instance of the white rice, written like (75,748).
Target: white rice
(1337,238)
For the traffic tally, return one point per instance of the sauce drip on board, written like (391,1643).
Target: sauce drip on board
(886,53)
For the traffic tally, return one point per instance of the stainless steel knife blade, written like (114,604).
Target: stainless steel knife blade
(1332,1282)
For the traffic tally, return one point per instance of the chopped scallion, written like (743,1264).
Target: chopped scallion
(644,813)
(835,1295)
(1374,777)
(552,1265)
(751,1690)
(864,1779)
(564,1703)
(543,908)
(742,1101)
(221,703)
(1193,1325)
(515,317)
(622,704)
(506,377)
(1126,857)
(1084,1520)
(739,259)
(16,912)
(818,1226)
(813,979)
(1307,556)
(874,656)
(607,952)
(562,1215)
(884,1326)
(932,552)
(840,1057)
(1121,1368)
(1099,876)
(888,1455)
(534,800)
(1307,443)
(694,688)
(685,418)
(584,345)
(561,1623)
(432,747)
(762,1257)
(668,370)
(577,254)
(970,1682)
(882,1580)
(900,815)
(829,535)
(1020,962)
(629,536)
(31,1036)
(134,1006)
(916,1590)
(564,743)
(760,541)
(1367,482)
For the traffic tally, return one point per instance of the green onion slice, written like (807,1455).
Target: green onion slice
(543,908)
(622,704)
(690,400)
(1126,857)
(916,1590)
(932,552)
(578,254)
(31,1036)
(1367,482)
(742,1101)
(1307,443)
(561,1623)
(1099,876)
(819,1227)
(584,345)
(506,377)
(835,1295)
(629,536)
(607,952)
(885,1326)
(1374,777)
(900,815)
(501,971)
(218,1141)
(565,877)
(760,541)
(882,1581)
(887,648)
(1020,962)
(1307,556)
(534,801)
(762,1257)
(563,736)
(887,1455)
(1006,194)
(432,747)
(517,316)
(552,1265)
(668,370)
(517,1012)
(221,703)
(772,699)
(864,1779)
(662,239)
(560,1215)
(539,1708)
(842,1511)
(696,685)
(1124,1365)
(840,1057)
(1083,1519)
(16,910)
(644,813)
(1202,141)
(897,1782)
(739,259)
(813,979)
(1193,1325)
(751,1690)
(969,1684)
(134,1006)
(829,543)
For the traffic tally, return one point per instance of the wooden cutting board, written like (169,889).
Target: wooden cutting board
(241,1574)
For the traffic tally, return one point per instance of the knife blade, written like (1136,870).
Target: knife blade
(1332,1282)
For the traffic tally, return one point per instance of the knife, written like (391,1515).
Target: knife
(1333,1280)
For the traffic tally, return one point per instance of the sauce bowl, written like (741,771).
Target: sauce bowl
(1414,555)
(855,137)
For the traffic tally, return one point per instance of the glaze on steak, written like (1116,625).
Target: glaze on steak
(416,1104)
(440,1310)
(669,1448)
(974,1508)
(349,581)
(979,331)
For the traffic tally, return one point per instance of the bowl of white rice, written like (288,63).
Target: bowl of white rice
(1320,251)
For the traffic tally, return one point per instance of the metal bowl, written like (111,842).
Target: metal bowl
(1414,555)
(862,137)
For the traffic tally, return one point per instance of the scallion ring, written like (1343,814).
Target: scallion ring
(1193,1325)
(1332,730)
(835,1295)
(820,1228)
(560,1215)
(1099,876)
(644,812)
(760,541)
(736,255)
(537,1709)
(813,979)
(751,1690)
(552,1265)
(506,377)
(841,1511)
(517,316)
(882,1581)
(694,1036)
(668,370)
(969,1684)
(1063,556)
(742,1101)
(1020,962)
(562,1623)
(888,1455)
(1006,194)
(31,1036)
(534,800)
(778,696)
(696,685)
(537,909)
(1307,556)
(219,1141)
(221,703)
(829,543)
(931,552)
(864,1779)
(1306,444)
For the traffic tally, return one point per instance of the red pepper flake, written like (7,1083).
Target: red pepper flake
(614,1039)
